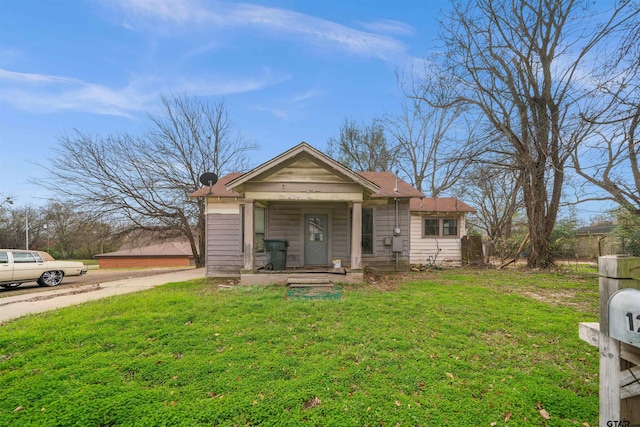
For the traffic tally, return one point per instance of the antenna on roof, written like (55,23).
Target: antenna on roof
(209,178)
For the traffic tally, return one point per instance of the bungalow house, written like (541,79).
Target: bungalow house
(437,228)
(328,215)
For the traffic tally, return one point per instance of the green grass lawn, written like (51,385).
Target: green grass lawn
(458,348)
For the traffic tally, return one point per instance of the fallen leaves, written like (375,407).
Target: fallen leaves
(311,403)
(507,417)
(543,412)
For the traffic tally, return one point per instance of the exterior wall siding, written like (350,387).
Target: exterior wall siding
(438,250)
(224,236)
(286,221)
(384,222)
(340,228)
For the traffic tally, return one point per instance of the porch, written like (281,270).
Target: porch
(306,276)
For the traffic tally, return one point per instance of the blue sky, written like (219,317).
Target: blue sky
(289,71)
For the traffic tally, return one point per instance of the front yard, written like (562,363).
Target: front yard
(458,347)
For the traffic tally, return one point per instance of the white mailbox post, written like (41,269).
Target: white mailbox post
(624,316)
(618,338)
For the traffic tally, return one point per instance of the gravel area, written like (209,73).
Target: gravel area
(92,277)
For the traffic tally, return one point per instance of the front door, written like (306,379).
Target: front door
(316,239)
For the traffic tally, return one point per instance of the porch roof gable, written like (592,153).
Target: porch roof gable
(300,151)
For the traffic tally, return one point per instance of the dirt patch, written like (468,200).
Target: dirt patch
(564,298)
(385,282)
(92,277)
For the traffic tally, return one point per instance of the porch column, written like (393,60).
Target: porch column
(249,246)
(356,236)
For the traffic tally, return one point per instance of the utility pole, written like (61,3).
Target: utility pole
(26,231)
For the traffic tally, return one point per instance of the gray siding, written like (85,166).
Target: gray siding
(224,235)
(286,221)
(341,235)
(384,218)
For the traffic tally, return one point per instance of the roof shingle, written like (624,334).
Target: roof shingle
(387,183)
(439,204)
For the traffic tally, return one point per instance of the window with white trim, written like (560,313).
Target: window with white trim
(439,227)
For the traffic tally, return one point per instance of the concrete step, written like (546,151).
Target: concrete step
(309,280)
(310,283)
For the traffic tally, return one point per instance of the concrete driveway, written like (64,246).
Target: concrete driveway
(13,307)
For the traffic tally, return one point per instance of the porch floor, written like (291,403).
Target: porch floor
(302,274)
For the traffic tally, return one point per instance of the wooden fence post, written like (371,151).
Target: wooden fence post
(619,397)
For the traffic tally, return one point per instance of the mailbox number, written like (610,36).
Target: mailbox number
(631,323)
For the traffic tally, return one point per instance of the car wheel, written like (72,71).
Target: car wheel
(50,278)
(10,285)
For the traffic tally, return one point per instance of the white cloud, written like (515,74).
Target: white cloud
(290,105)
(388,26)
(47,94)
(157,15)
(276,112)
(136,12)
(304,96)
(28,78)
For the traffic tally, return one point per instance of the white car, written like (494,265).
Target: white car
(19,266)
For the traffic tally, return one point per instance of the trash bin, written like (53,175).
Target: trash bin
(277,249)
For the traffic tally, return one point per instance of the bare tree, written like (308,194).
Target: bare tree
(495,193)
(609,157)
(518,63)
(434,144)
(363,147)
(61,228)
(66,230)
(146,180)
(13,224)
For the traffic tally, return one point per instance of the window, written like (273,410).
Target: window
(259,228)
(431,227)
(450,227)
(23,257)
(367,231)
(4,258)
(316,231)
(440,227)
